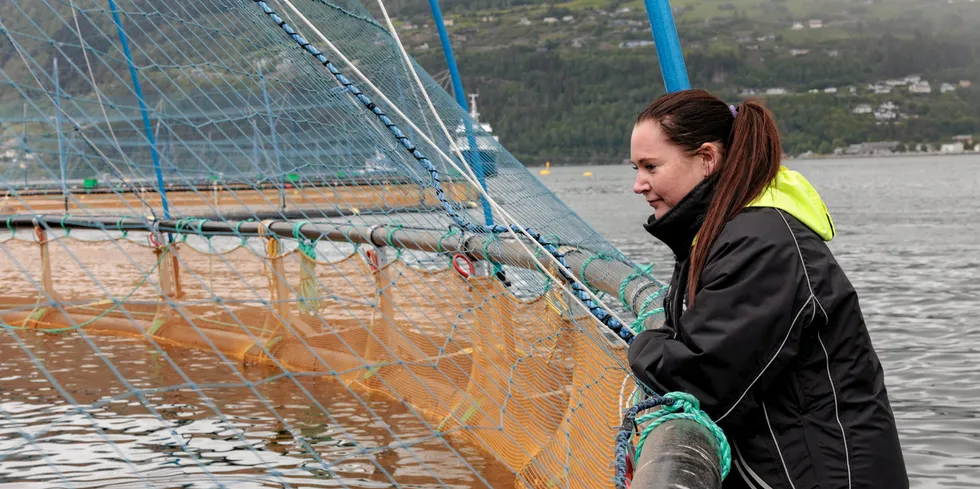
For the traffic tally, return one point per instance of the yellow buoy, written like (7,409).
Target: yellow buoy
(547,169)
(587,174)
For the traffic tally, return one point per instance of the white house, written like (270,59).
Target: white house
(815,23)
(797,26)
(920,87)
(951,148)
(862,109)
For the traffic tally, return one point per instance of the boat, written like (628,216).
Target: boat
(486,143)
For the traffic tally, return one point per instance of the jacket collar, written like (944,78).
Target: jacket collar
(680,225)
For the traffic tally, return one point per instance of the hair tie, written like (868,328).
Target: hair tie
(734,111)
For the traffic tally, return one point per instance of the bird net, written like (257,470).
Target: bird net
(251,243)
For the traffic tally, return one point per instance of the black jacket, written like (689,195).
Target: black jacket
(775,346)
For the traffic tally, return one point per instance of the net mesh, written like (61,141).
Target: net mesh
(383,359)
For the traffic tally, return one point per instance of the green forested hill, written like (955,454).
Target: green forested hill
(566,91)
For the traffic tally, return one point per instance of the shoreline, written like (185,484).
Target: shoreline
(804,158)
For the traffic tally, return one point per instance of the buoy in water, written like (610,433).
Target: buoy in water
(547,169)
(587,174)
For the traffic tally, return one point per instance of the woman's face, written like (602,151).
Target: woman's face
(665,172)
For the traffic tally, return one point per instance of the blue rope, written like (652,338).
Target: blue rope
(143,110)
(580,293)
(625,434)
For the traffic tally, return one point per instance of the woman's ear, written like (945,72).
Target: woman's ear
(710,158)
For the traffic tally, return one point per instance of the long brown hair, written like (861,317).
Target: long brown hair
(751,155)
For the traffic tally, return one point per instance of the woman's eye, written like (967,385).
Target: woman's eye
(634,167)
(649,167)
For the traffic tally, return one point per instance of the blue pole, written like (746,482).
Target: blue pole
(255,147)
(293,150)
(668,45)
(473,153)
(61,148)
(146,116)
(275,144)
(27,149)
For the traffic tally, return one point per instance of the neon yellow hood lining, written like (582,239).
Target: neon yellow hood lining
(792,193)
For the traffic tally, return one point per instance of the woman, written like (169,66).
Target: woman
(762,324)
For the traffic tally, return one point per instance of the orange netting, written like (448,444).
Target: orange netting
(523,379)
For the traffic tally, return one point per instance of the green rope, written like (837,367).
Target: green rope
(238,231)
(181,223)
(396,226)
(585,264)
(452,231)
(391,231)
(305,245)
(635,274)
(63,228)
(547,277)
(125,232)
(637,325)
(489,240)
(685,406)
(116,303)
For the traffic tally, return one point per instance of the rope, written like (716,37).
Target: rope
(635,274)
(585,265)
(578,290)
(637,325)
(674,405)
(452,230)
(63,228)
(305,245)
(105,313)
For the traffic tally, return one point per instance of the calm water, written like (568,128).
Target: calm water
(909,237)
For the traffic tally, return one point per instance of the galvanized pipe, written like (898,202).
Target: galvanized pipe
(678,453)
(507,251)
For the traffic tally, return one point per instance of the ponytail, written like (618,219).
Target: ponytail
(752,158)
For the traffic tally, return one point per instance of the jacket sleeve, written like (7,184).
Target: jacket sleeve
(742,331)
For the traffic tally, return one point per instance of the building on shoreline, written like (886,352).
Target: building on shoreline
(873,148)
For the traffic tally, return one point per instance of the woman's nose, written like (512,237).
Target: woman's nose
(640,185)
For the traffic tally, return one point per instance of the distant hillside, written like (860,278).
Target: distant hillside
(562,82)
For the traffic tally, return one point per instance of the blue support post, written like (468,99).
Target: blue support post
(61,146)
(669,52)
(275,144)
(474,152)
(255,148)
(293,148)
(146,116)
(27,150)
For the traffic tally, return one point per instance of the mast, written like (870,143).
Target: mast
(473,153)
(668,45)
